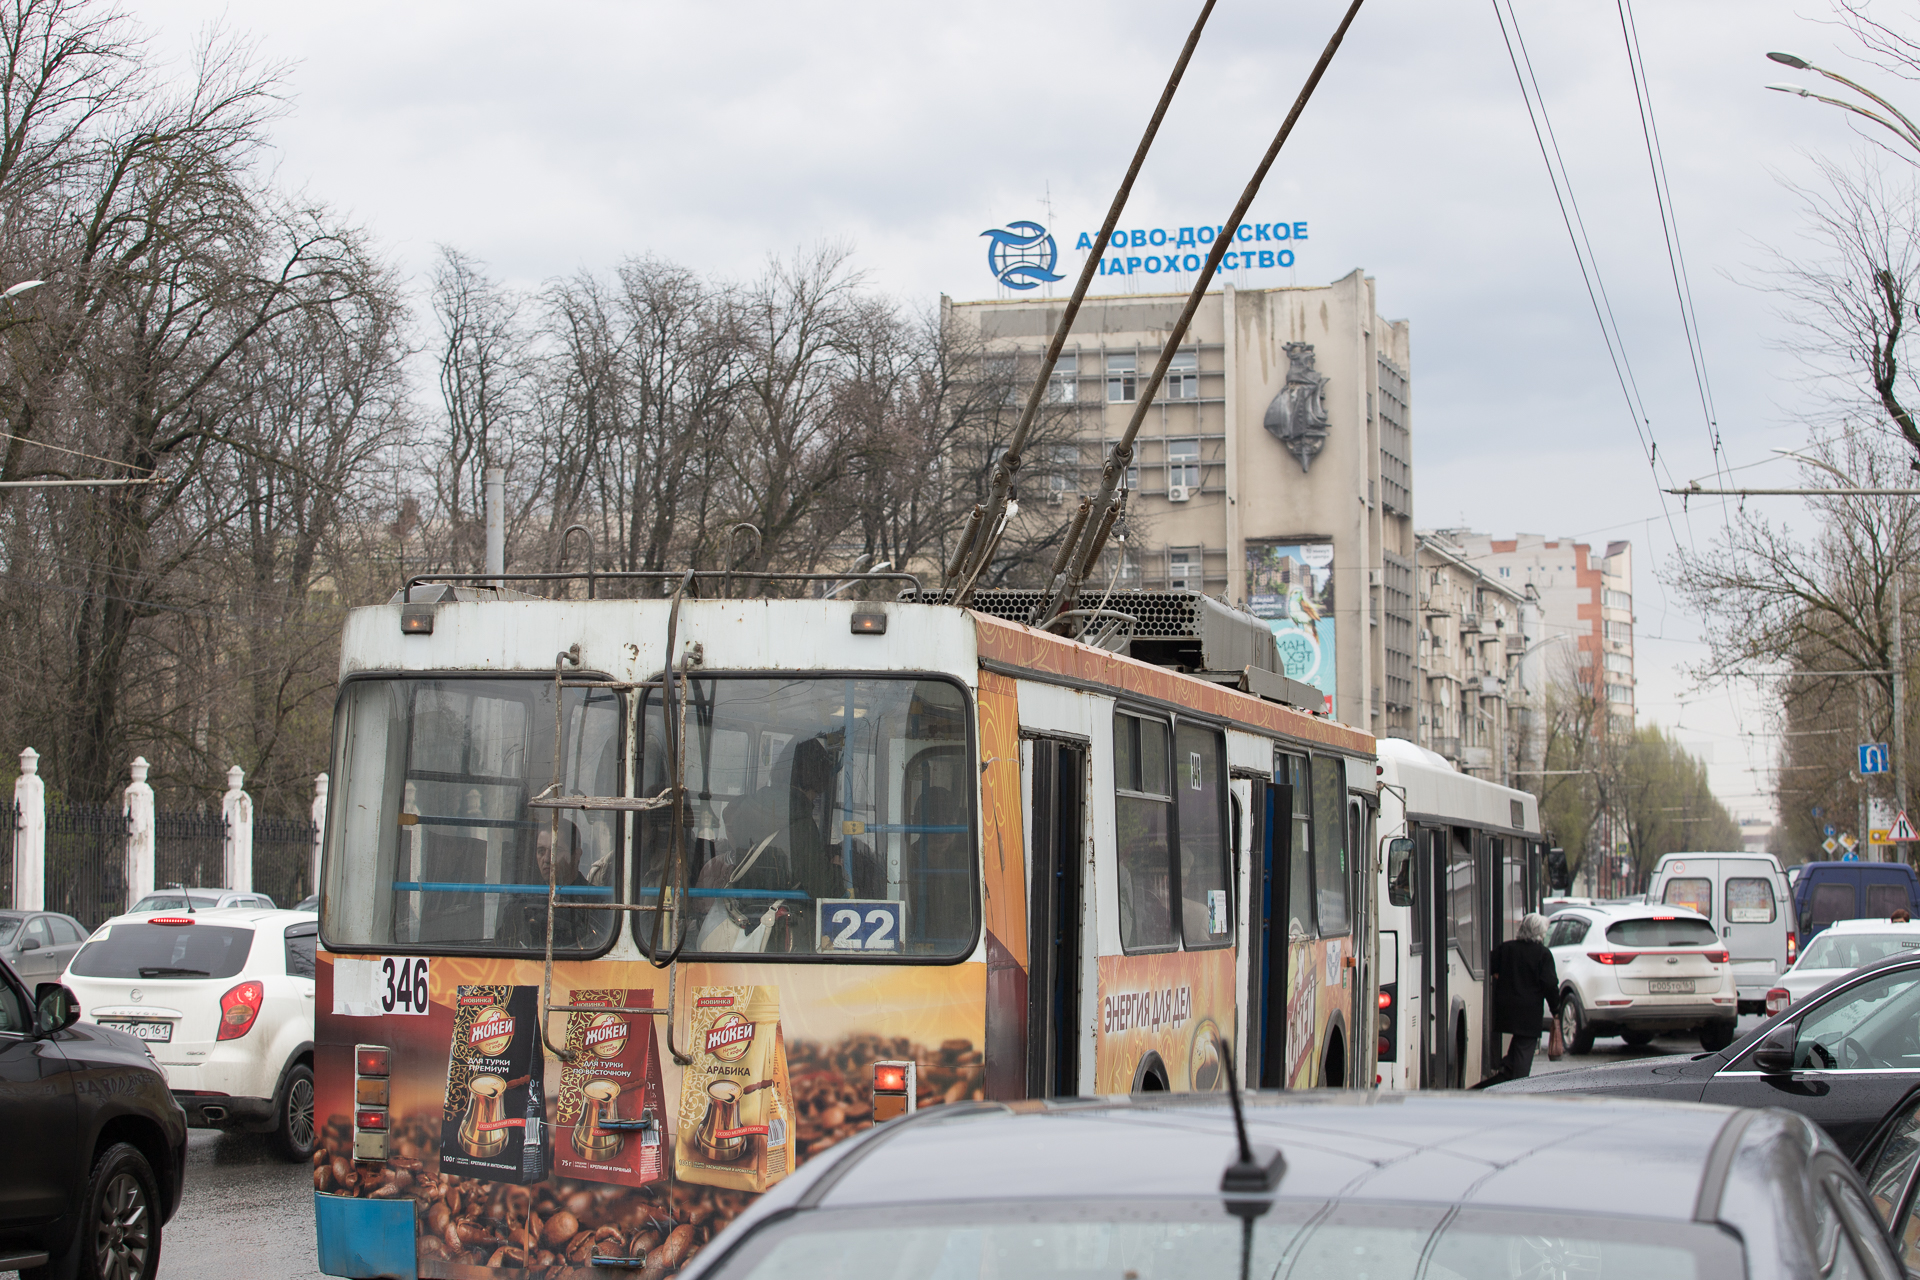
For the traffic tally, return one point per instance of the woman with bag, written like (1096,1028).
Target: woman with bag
(1526,992)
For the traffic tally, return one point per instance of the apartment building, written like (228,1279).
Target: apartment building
(1274,468)
(1473,633)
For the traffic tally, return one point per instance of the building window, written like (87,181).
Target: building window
(1620,662)
(1120,378)
(1184,568)
(1183,376)
(1003,375)
(1183,463)
(1064,386)
(1621,631)
(1063,475)
(1505,572)
(1616,600)
(1620,693)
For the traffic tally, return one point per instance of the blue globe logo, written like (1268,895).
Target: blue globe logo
(1021,254)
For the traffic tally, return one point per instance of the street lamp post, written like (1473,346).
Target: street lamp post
(1905,130)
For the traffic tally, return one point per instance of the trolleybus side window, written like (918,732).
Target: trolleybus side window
(1293,770)
(1464,908)
(1206,913)
(826,816)
(433,844)
(1330,845)
(1143,812)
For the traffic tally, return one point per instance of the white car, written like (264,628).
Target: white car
(1636,970)
(1836,951)
(224,1001)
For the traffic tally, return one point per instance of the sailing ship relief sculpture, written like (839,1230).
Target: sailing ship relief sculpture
(1297,418)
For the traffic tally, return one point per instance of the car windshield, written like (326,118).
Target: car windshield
(174,901)
(1656,931)
(1156,1241)
(9,925)
(1851,950)
(135,949)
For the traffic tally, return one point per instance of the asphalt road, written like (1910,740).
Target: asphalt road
(247,1214)
(1614,1049)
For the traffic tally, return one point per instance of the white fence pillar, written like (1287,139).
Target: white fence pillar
(237,808)
(30,837)
(140,842)
(319,825)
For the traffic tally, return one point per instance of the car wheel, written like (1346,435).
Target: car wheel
(1638,1039)
(292,1136)
(1717,1035)
(1574,1029)
(119,1233)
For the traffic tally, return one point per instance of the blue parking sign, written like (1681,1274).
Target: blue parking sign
(1875,758)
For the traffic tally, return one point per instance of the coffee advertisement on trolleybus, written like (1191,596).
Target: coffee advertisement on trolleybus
(779,1067)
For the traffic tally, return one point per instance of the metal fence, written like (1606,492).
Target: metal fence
(9,824)
(86,860)
(189,848)
(283,859)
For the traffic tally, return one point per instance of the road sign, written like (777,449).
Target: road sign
(1849,856)
(1879,820)
(1830,829)
(1846,842)
(1902,829)
(1831,845)
(1875,758)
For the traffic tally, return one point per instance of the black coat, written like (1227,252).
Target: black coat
(1524,984)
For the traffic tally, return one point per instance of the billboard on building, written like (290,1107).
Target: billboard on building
(1290,584)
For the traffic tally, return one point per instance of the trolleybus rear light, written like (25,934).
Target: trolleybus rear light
(370,1059)
(371,1118)
(894,1089)
(869,624)
(370,1092)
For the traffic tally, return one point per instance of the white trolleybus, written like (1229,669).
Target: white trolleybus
(629,906)
(1463,861)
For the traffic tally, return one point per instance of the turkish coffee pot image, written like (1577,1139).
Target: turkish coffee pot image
(721,1138)
(483,1130)
(589,1139)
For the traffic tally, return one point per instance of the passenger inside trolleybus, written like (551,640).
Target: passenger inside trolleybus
(583,930)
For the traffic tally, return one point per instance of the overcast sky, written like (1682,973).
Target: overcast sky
(546,141)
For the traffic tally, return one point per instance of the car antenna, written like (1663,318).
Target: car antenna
(184,896)
(1258,1168)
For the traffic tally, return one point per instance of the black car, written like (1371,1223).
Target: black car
(1844,1059)
(1339,1184)
(95,1146)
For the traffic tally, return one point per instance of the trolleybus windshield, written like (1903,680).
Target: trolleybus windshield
(825,817)
(432,842)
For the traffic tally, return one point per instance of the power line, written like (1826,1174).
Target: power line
(1545,139)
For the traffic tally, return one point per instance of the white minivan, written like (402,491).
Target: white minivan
(1746,897)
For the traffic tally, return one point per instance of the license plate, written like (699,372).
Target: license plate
(161,1032)
(1670,986)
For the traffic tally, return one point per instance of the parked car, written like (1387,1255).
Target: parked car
(38,944)
(199,900)
(1384,1185)
(96,1148)
(1827,891)
(309,903)
(1842,947)
(1844,1059)
(1745,896)
(224,998)
(1635,971)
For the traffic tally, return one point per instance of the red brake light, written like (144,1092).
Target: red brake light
(1717,957)
(370,1060)
(370,1119)
(238,1008)
(1613,957)
(171,920)
(1777,1000)
(1793,947)
(890,1079)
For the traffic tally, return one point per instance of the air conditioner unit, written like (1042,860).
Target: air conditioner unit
(1179,492)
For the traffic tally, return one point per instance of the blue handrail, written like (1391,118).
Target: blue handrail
(463,886)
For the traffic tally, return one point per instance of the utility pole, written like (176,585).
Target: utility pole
(1899,666)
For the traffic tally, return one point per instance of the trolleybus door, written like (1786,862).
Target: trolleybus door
(1267,934)
(1430,901)
(1057,801)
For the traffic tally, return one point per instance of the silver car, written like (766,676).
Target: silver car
(38,944)
(200,900)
